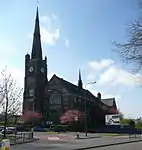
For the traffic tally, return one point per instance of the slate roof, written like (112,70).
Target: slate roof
(72,88)
(109,102)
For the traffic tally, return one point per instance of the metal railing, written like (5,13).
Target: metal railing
(135,134)
(20,137)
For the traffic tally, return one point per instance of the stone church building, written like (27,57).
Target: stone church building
(53,97)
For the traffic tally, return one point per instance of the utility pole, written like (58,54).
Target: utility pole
(85,107)
(85,115)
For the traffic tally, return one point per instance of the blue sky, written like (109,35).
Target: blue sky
(75,34)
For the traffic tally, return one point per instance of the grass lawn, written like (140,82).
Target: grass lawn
(51,132)
(113,134)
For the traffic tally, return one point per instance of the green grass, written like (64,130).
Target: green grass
(113,134)
(51,132)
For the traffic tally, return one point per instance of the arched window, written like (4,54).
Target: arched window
(31,92)
(55,98)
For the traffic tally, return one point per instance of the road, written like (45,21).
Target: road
(45,146)
(130,146)
(66,142)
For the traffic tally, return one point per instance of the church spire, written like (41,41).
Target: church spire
(79,80)
(36,48)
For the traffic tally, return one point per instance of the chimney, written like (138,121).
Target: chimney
(99,96)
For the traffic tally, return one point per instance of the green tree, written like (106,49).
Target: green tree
(130,122)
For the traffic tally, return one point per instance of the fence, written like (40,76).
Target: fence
(20,137)
(135,134)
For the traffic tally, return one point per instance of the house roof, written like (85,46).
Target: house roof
(109,102)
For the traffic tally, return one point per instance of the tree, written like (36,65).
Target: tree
(121,115)
(130,52)
(10,93)
(10,96)
(132,123)
(71,116)
(31,117)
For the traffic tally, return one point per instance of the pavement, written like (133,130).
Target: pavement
(68,142)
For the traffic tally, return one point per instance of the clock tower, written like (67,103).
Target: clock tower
(35,74)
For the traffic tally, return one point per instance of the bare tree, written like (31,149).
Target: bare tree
(10,94)
(131,51)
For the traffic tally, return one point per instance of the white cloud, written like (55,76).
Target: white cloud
(115,76)
(67,43)
(49,37)
(49,33)
(45,19)
(54,16)
(104,63)
(111,74)
(91,76)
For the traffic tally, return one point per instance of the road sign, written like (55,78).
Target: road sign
(112,119)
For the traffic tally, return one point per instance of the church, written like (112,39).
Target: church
(55,96)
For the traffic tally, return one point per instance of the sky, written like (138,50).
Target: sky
(74,34)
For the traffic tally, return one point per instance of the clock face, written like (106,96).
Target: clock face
(31,69)
(42,70)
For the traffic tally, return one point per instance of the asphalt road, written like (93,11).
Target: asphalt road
(130,146)
(64,142)
(44,146)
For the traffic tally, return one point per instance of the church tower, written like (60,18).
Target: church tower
(35,74)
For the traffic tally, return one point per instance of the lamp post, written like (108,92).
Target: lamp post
(85,106)
(76,120)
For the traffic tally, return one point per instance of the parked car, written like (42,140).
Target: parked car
(39,129)
(7,131)
(22,128)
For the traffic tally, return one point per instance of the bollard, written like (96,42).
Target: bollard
(77,135)
(6,143)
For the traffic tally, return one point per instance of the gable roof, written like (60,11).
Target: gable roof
(109,102)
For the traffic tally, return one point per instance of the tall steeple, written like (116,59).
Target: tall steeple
(36,48)
(79,80)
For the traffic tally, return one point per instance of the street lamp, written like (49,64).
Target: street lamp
(76,118)
(85,109)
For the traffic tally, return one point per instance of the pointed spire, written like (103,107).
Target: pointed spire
(79,75)
(79,80)
(36,48)
(37,16)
